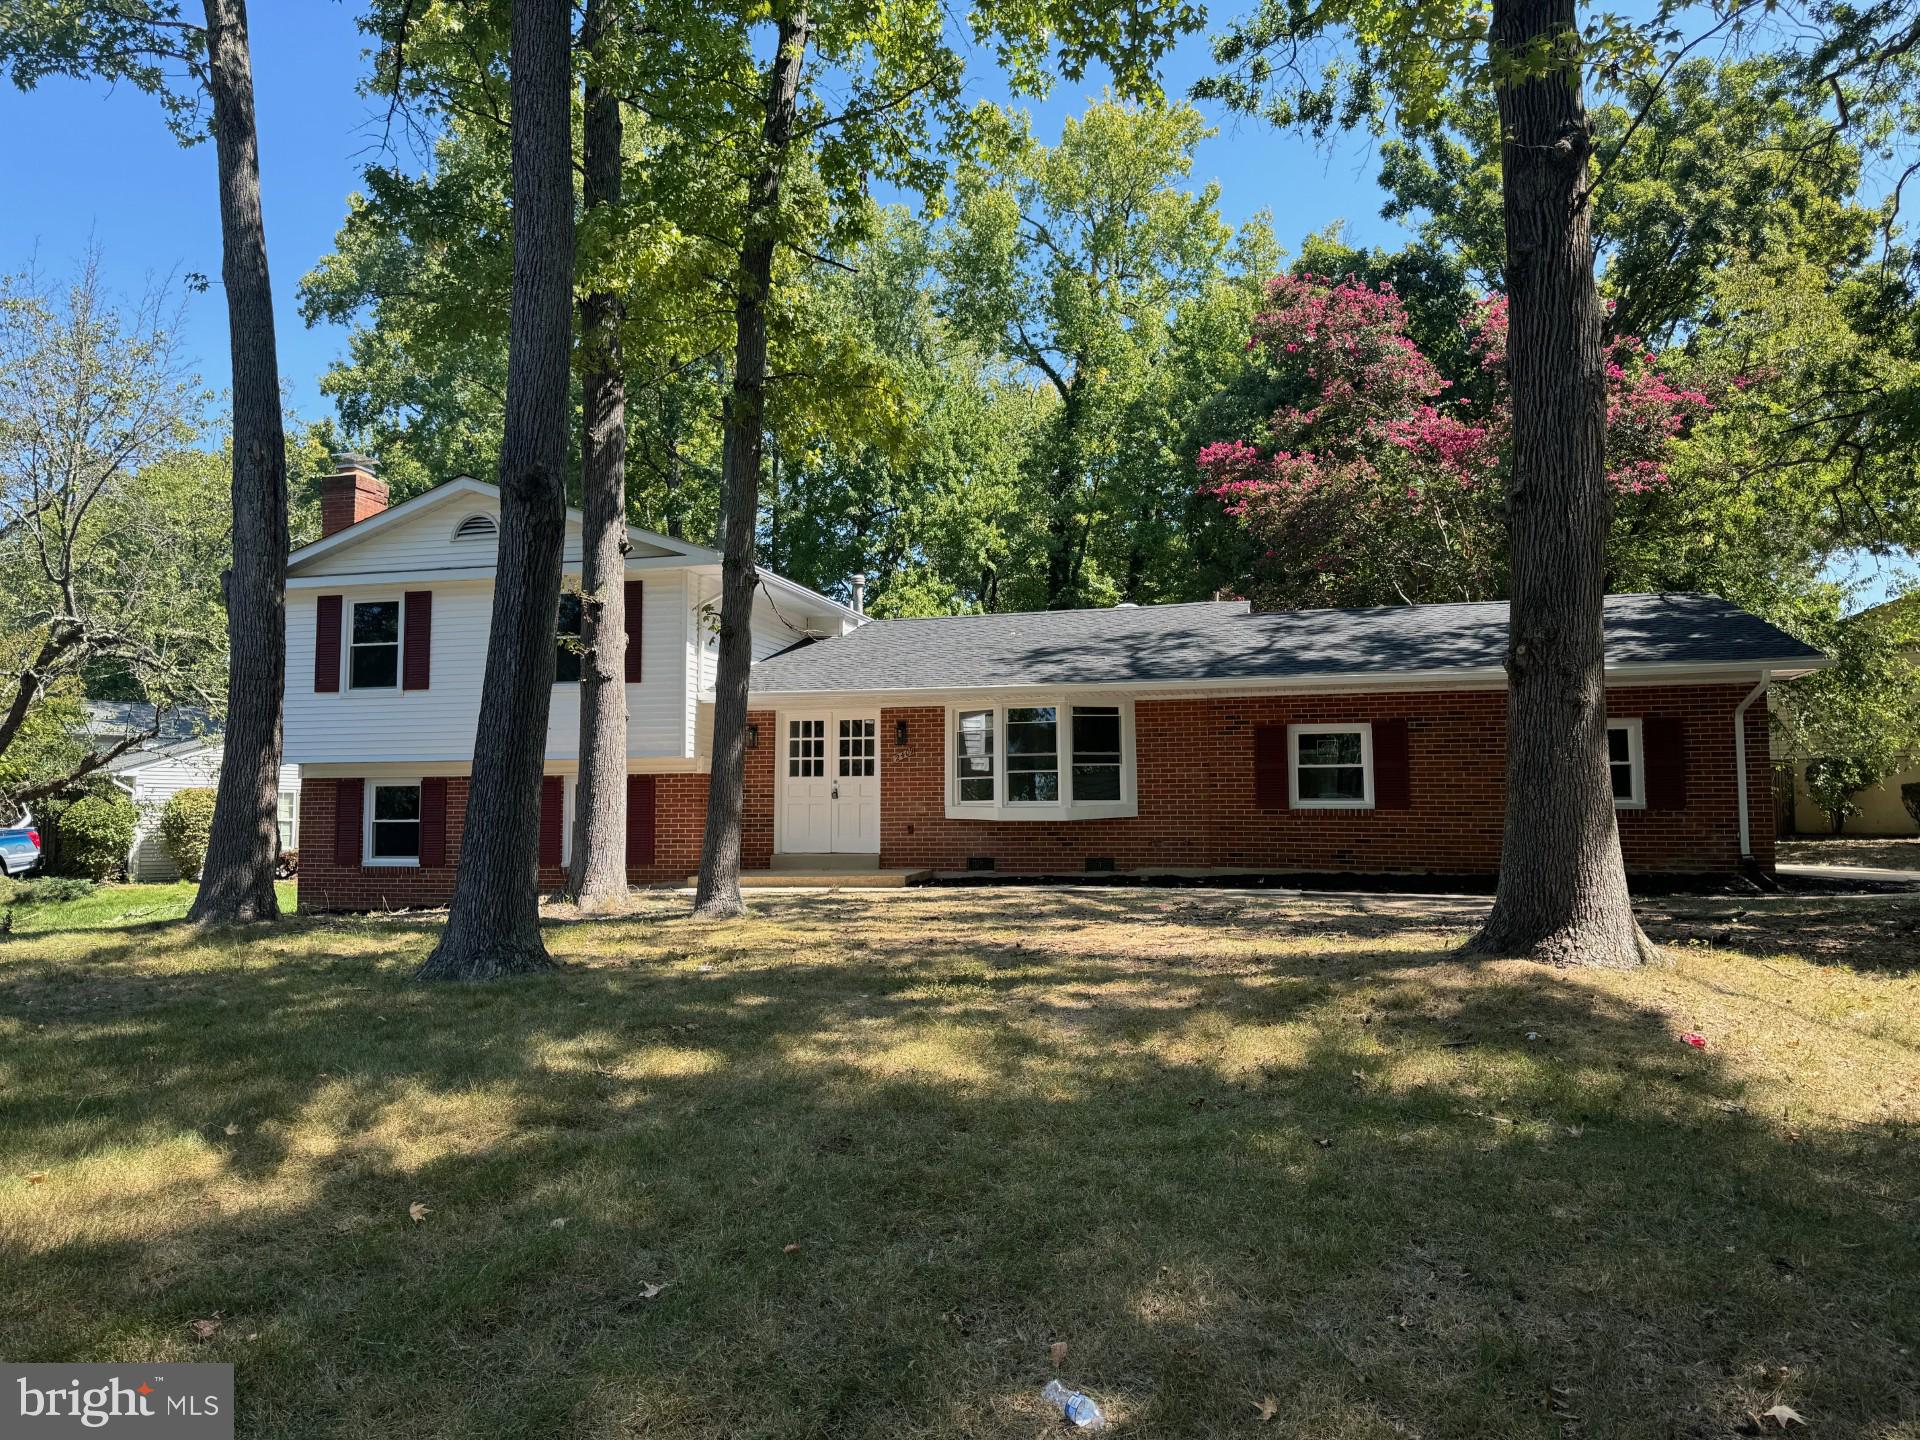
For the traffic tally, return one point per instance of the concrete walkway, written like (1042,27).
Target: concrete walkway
(1872,874)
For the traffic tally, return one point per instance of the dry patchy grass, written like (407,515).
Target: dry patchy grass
(1223,1145)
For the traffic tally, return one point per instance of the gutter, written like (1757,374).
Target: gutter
(1740,761)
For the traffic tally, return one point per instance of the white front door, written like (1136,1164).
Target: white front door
(856,784)
(806,789)
(830,783)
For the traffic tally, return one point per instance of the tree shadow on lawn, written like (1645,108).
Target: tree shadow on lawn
(1219,1157)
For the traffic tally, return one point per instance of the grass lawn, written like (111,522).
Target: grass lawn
(883,1150)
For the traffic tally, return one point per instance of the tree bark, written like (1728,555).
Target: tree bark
(243,844)
(598,875)
(493,928)
(1562,894)
(718,893)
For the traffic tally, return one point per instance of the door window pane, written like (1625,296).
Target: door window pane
(1033,754)
(374,663)
(973,756)
(857,747)
(806,749)
(1096,752)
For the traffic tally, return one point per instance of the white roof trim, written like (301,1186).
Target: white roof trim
(450,490)
(679,551)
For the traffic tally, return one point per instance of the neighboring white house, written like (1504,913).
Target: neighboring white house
(185,754)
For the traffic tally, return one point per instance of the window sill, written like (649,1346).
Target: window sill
(1333,805)
(390,864)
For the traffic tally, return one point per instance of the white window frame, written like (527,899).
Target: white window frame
(1637,762)
(367,857)
(399,603)
(292,842)
(1066,807)
(1342,727)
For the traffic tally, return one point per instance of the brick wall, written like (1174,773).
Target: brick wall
(1195,783)
(680,819)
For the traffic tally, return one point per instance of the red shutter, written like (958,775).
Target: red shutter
(553,809)
(634,590)
(1663,746)
(349,805)
(1270,767)
(640,811)
(326,643)
(418,645)
(1392,766)
(433,822)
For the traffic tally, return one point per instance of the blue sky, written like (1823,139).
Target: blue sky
(96,165)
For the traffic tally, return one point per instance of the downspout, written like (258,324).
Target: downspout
(1740,761)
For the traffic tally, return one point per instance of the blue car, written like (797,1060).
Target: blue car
(19,850)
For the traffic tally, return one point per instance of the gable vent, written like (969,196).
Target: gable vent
(477,527)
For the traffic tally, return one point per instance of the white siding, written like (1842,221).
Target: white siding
(151,785)
(326,728)
(425,543)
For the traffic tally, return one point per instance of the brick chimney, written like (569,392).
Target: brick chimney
(351,494)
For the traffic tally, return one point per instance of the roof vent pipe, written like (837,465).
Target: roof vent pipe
(860,594)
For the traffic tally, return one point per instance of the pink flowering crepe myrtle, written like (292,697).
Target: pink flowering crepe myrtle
(1375,480)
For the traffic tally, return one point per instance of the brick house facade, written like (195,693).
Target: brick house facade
(1199,805)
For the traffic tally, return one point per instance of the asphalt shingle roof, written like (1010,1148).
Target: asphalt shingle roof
(1159,644)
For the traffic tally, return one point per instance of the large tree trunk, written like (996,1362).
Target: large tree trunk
(598,876)
(243,845)
(494,927)
(718,894)
(1563,889)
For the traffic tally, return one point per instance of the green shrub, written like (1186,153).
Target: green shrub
(52,890)
(95,833)
(1833,781)
(184,824)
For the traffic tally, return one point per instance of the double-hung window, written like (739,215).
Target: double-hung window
(289,819)
(374,656)
(1626,764)
(1033,755)
(973,748)
(567,649)
(1332,766)
(1038,761)
(1096,752)
(393,823)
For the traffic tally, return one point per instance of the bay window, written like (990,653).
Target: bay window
(1052,760)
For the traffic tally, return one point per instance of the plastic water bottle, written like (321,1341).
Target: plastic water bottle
(1078,1408)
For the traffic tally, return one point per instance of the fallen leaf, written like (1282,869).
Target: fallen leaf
(1059,1352)
(653,1288)
(255,1335)
(1786,1415)
(1268,1408)
(205,1329)
(418,1211)
(792,1249)
(232,1129)
(37,1177)
(559,1224)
